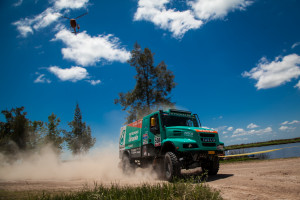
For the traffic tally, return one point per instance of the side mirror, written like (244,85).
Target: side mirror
(153,122)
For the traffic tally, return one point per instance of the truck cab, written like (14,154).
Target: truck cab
(170,141)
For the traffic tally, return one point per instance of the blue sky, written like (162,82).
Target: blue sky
(236,62)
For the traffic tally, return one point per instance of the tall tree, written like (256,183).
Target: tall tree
(14,132)
(79,139)
(53,133)
(153,85)
(35,135)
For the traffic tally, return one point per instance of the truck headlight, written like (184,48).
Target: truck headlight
(220,147)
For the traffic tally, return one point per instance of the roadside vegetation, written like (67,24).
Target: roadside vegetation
(19,135)
(260,144)
(169,191)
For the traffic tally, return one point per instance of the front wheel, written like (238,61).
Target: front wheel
(211,166)
(171,166)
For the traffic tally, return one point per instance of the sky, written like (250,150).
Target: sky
(236,62)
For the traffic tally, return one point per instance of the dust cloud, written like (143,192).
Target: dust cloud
(101,165)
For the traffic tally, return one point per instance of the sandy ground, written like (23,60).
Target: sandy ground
(270,179)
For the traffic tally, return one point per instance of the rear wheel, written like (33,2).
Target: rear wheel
(211,166)
(171,166)
(128,168)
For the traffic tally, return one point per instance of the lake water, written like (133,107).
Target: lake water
(290,150)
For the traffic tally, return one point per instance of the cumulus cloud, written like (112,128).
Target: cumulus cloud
(27,26)
(73,74)
(179,22)
(238,131)
(70,4)
(86,50)
(241,132)
(275,73)
(250,126)
(214,9)
(230,128)
(286,128)
(41,78)
(168,19)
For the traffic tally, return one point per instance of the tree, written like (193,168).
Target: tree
(35,135)
(79,139)
(53,133)
(153,85)
(14,132)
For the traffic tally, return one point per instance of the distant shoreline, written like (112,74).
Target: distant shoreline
(260,144)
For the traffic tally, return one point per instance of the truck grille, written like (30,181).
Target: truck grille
(207,135)
(209,144)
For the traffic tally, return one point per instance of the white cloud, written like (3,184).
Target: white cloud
(214,9)
(275,73)
(286,128)
(179,22)
(86,50)
(239,131)
(168,19)
(71,4)
(250,126)
(23,28)
(73,74)
(295,45)
(94,82)
(230,128)
(41,78)
(297,85)
(48,16)
(292,122)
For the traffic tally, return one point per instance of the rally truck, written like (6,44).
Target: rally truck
(169,141)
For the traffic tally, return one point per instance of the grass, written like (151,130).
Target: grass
(259,144)
(182,189)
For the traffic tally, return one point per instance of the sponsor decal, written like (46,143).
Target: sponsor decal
(133,136)
(157,142)
(188,134)
(145,138)
(137,124)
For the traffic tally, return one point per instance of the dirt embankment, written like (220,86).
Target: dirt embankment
(270,179)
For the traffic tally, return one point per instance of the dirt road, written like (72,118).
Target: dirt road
(270,179)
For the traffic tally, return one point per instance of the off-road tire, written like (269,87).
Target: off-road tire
(171,166)
(128,168)
(211,166)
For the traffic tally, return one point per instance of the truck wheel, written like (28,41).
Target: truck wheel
(127,167)
(171,166)
(211,166)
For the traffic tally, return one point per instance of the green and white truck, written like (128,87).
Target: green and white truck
(169,141)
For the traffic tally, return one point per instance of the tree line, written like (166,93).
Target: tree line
(20,134)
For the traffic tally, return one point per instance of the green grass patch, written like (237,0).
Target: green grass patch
(169,191)
(260,144)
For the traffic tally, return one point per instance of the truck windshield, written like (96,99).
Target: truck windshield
(173,120)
